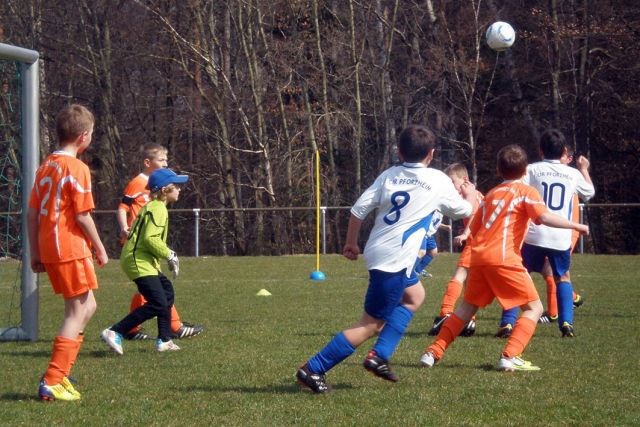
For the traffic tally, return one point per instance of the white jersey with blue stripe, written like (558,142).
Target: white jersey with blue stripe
(557,183)
(407,197)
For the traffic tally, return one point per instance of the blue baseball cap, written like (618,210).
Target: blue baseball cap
(163,177)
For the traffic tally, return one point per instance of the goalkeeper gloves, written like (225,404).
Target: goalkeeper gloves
(174,264)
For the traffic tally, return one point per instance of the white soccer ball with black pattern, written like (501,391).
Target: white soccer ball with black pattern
(500,36)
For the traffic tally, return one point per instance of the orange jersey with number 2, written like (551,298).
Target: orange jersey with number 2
(501,222)
(61,191)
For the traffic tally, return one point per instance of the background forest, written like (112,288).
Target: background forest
(243,92)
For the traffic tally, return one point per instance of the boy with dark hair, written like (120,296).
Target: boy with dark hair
(406,197)
(62,234)
(140,260)
(495,270)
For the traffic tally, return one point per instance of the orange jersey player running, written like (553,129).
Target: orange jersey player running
(496,270)
(136,196)
(62,235)
(459,175)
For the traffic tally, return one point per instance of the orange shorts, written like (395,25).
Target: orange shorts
(72,278)
(465,257)
(511,285)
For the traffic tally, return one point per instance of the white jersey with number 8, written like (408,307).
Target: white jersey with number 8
(406,196)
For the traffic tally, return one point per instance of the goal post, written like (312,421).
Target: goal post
(30,132)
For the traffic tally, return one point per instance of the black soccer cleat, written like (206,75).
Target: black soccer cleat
(547,318)
(578,301)
(437,324)
(188,330)
(378,367)
(469,329)
(315,382)
(567,330)
(137,335)
(504,331)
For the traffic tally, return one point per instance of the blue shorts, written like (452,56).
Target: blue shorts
(533,259)
(384,293)
(429,243)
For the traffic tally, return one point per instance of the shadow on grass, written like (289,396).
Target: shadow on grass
(282,388)
(24,353)
(17,397)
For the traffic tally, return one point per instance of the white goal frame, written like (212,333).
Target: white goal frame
(30,132)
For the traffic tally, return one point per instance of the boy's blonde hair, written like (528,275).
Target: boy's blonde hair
(72,121)
(458,170)
(151,150)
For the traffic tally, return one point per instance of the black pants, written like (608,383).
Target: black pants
(158,291)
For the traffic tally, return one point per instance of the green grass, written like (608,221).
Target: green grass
(240,370)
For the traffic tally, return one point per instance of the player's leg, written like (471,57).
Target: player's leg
(164,342)
(75,280)
(137,300)
(476,294)
(453,291)
(396,324)
(551,315)
(431,251)
(560,262)
(513,286)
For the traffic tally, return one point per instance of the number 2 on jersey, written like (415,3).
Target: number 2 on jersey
(393,215)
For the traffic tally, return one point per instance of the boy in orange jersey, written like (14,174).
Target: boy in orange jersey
(62,235)
(459,175)
(495,268)
(136,195)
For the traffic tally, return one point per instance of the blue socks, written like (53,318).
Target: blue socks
(510,316)
(564,292)
(392,332)
(422,263)
(333,353)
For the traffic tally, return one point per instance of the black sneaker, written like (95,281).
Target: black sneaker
(188,330)
(504,331)
(137,335)
(437,324)
(567,330)
(313,381)
(378,367)
(469,329)
(546,318)
(578,301)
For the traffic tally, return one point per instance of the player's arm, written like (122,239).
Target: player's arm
(351,249)
(552,220)
(34,244)
(88,227)
(121,216)
(585,189)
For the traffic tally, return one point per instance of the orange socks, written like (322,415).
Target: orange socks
(64,353)
(451,295)
(175,319)
(74,356)
(520,337)
(552,300)
(449,331)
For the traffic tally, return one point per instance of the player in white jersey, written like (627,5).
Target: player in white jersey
(557,183)
(406,198)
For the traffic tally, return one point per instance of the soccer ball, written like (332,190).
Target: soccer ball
(500,36)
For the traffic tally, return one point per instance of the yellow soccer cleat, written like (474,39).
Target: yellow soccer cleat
(516,363)
(56,392)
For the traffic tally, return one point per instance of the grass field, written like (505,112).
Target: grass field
(240,370)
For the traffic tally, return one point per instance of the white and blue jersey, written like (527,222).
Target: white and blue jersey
(557,183)
(407,198)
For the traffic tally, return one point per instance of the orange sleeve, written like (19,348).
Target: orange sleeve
(81,192)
